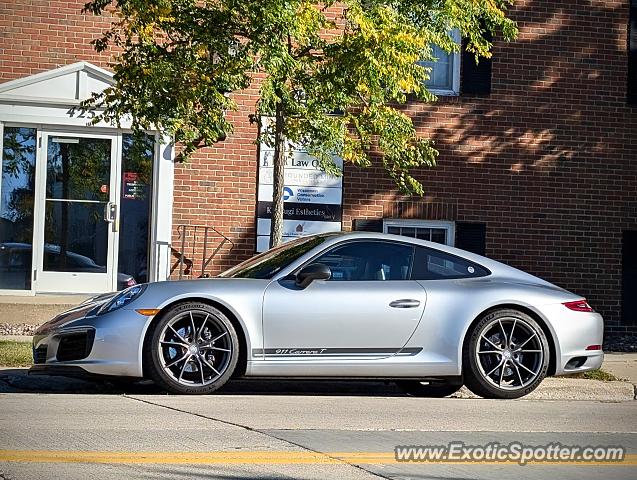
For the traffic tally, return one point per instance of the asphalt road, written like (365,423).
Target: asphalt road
(285,430)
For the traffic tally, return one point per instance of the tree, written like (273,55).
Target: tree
(332,74)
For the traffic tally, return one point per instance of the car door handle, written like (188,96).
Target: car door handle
(405,303)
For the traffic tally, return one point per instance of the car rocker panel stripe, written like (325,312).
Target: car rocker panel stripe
(333,352)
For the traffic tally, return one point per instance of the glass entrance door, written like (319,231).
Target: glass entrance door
(78,228)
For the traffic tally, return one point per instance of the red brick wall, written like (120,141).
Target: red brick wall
(547,161)
(39,35)
(217,187)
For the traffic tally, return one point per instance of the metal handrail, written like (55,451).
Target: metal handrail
(186,264)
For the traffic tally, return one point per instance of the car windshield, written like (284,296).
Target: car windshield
(267,264)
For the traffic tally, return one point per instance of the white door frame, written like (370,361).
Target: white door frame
(46,102)
(75,282)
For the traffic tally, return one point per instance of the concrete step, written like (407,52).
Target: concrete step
(35,310)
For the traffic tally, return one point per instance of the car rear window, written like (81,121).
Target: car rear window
(431,264)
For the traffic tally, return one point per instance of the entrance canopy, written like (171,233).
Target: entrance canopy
(80,212)
(50,97)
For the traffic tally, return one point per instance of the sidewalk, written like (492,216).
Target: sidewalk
(622,365)
(35,310)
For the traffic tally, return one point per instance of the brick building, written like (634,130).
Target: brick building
(537,166)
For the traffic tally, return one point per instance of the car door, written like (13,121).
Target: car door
(368,309)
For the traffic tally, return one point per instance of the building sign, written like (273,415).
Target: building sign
(312,198)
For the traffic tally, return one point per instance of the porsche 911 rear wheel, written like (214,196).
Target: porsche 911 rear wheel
(506,356)
(193,349)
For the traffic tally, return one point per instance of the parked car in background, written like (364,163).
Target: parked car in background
(15,264)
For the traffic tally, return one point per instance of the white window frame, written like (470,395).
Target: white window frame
(450,227)
(162,196)
(455,74)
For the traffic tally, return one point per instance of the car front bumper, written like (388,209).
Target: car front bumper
(79,341)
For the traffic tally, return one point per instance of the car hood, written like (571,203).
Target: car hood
(226,290)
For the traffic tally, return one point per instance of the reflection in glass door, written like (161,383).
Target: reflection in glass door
(79,214)
(17,193)
(135,208)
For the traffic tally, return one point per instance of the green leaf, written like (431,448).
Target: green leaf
(179,63)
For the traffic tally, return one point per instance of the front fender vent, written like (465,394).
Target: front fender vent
(39,354)
(75,346)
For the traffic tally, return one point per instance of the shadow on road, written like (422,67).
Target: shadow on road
(176,473)
(17,380)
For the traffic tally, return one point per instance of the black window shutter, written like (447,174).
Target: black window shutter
(629,277)
(471,237)
(368,224)
(475,77)
(632,53)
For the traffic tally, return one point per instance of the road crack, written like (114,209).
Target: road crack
(261,432)
(5,476)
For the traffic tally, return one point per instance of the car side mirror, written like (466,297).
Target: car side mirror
(314,271)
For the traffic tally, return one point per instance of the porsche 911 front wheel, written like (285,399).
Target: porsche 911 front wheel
(506,355)
(192,349)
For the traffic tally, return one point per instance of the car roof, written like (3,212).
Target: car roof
(496,268)
(338,237)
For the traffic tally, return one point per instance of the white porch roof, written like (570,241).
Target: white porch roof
(66,85)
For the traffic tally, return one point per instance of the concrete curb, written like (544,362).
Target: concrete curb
(557,388)
(17,380)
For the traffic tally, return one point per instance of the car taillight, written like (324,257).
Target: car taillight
(578,306)
(131,282)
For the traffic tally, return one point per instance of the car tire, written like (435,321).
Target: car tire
(191,349)
(428,389)
(506,355)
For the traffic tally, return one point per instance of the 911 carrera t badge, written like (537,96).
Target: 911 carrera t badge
(333,352)
(298,351)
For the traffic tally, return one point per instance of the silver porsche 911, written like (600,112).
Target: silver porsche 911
(358,305)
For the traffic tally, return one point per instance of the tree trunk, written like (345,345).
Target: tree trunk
(276,226)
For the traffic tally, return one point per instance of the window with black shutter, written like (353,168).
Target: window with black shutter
(436,231)
(475,78)
(368,224)
(629,277)
(444,72)
(471,237)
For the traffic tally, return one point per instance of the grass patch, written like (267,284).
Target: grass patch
(596,375)
(15,354)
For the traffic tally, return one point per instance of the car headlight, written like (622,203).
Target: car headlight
(98,298)
(122,298)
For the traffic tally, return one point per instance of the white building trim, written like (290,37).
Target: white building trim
(46,101)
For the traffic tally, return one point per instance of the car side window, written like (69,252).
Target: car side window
(364,261)
(431,264)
